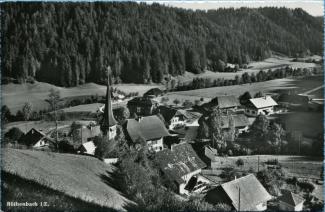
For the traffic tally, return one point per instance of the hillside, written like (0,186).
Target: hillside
(82,178)
(73,43)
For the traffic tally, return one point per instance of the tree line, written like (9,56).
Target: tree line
(69,44)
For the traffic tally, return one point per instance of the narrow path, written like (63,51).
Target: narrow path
(312,90)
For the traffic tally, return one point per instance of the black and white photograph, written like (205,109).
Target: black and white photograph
(162,106)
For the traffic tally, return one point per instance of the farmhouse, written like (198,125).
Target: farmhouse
(260,106)
(177,118)
(88,133)
(225,102)
(109,122)
(290,201)
(142,106)
(149,129)
(36,139)
(243,194)
(181,165)
(239,121)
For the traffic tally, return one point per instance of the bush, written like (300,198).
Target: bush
(240,162)
(14,134)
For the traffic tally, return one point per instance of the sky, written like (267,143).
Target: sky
(313,7)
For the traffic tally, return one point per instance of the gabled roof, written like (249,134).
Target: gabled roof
(153,91)
(225,101)
(263,102)
(240,120)
(33,136)
(89,147)
(146,128)
(178,161)
(142,101)
(168,113)
(252,193)
(291,198)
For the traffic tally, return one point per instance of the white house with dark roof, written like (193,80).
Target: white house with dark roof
(149,129)
(260,106)
(243,194)
(36,139)
(181,165)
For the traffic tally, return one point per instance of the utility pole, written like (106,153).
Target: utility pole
(238,198)
(258,163)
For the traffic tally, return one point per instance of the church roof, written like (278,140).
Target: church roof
(108,112)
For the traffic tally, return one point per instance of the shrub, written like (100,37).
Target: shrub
(14,134)
(240,162)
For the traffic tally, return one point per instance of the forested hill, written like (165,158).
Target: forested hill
(68,44)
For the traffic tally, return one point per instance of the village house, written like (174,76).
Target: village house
(149,129)
(142,106)
(181,166)
(36,139)
(178,118)
(260,106)
(240,122)
(88,133)
(243,194)
(225,102)
(290,201)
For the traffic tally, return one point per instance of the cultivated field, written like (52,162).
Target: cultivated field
(237,90)
(16,95)
(44,126)
(270,63)
(299,166)
(81,177)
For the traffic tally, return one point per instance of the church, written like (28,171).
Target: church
(109,123)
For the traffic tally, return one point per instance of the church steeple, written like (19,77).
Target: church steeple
(108,119)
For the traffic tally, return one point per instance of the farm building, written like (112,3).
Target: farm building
(176,118)
(239,121)
(88,133)
(142,106)
(181,165)
(290,201)
(262,105)
(36,139)
(225,102)
(243,194)
(149,129)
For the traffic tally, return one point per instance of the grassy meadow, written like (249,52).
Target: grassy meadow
(81,177)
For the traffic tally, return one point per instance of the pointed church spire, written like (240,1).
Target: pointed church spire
(108,119)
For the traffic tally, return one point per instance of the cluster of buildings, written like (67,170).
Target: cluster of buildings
(169,135)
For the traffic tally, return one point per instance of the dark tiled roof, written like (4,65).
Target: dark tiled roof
(291,198)
(179,161)
(153,91)
(142,101)
(168,113)
(146,128)
(252,192)
(33,136)
(225,101)
(240,120)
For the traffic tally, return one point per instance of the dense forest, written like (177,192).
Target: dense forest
(69,44)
